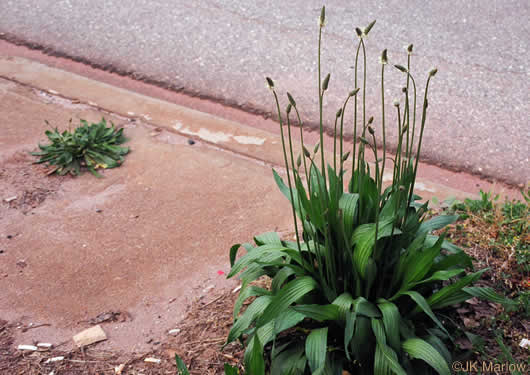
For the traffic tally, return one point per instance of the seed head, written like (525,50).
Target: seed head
(291,100)
(433,72)
(270,83)
(326,82)
(316,148)
(358,32)
(384,57)
(409,49)
(371,130)
(354,92)
(322,19)
(345,156)
(370,120)
(339,112)
(364,140)
(404,90)
(405,128)
(401,68)
(368,28)
(289,107)
(299,161)
(306,152)
(396,103)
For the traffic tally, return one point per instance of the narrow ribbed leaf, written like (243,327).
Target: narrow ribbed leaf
(254,362)
(364,239)
(424,306)
(391,319)
(420,349)
(265,253)
(441,276)
(386,358)
(247,292)
(316,348)
(233,253)
(290,293)
(181,367)
(344,302)
(268,238)
(489,294)
(251,313)
(319,312)
(453,293)
(437,222)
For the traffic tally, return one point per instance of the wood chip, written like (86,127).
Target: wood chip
(90,336)
(27,347)
(152,360)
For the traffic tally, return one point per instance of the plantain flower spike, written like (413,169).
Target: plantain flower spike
(433,72)
(322,19)
(409,49)
(364,140)
(316,148)
(368,28)
(384,57)
(354,92)
(404,89)
(289,107)
(339,112)
(401,68)
(326,82)
(370,120)
(345,157)
(371,130)
(358,32)
(396,103)
(306,152)
(299,161)
(291,100)
(270,83)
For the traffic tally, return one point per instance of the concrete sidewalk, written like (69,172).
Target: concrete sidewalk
(153,233)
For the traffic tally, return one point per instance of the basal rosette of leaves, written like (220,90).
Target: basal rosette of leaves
(91,146)
(362,286)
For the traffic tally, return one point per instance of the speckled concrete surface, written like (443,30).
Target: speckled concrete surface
(223,49)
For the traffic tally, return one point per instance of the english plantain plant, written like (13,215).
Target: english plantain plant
(92,146)
(363,286)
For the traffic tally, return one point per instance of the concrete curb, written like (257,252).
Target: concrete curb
(235,137)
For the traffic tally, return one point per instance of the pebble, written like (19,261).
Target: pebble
(175,331)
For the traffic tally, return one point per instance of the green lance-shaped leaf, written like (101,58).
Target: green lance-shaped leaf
(254,310)
(436,223)
(254,362)
(181,367)
(268,238)
(391,321)
(290,293)
(386,358)
(489,294)
(364,240)
(316,348)
(453,293)
(319,313)
(420,349)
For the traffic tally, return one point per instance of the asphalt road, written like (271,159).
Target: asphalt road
(479,100)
